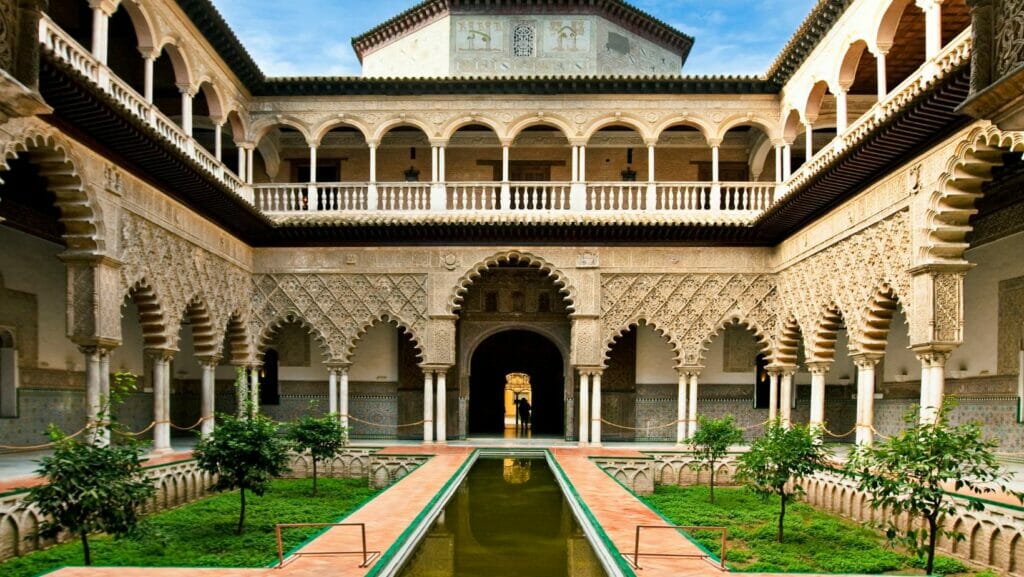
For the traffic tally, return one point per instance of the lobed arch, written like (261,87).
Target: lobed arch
(634,323)
(236,333)
(266,335)
(617,119)
(706,129)
(546,120)
(182,68)
(80,213)
(449,130)
(204,337)
(259,128)
(389,125)
(152,317)
(761,336)
(383,319)
(951,203)
(788,345)
(321,131)
(558,277)
(820,342)
(876,320)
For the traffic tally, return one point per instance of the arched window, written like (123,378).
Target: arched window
(8,374)
(522,40)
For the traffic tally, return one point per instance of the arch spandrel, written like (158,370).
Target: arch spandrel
(561,280)
(383,319)
(635,324)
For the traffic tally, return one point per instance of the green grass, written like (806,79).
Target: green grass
(814,541)
(202,534)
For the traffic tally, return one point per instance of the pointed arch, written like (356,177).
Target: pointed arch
(79,212)
(151,314)
(269,331)
(566,289)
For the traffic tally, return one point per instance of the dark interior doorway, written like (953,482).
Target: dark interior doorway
(516,351)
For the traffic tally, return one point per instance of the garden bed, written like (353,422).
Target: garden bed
(815,541)
(202,534)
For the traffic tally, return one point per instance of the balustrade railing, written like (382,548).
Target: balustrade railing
(403,196)
(616,196)
(683,195)
(539,196)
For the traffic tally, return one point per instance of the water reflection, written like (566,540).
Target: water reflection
(507,519)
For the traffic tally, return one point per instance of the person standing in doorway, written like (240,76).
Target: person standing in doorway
(524,414)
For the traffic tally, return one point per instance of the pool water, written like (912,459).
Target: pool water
(508,518)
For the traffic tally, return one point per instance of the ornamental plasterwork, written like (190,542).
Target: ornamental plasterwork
(847,275)
(1009,35)
(689,309)
(338,308)
(180,273)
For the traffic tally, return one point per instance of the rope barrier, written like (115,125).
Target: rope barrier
(44,445)
(372,424)
(669,424)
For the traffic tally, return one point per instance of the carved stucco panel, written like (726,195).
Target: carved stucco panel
(339,307)
(847,275)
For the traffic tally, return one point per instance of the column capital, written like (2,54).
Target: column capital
(161,354)
(690,370)
(435,368)
(95,349)
(149,53)
(577,141)
(714,142)
(108,7)
(933,355)
(588,370)
(439,142)
(209,360)
(650,142)
(186,88)
(784,370)
(372,143)
(507,142)
(866,360)
(819,367)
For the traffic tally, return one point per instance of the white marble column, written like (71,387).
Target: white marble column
(786,396)
(218,140)
(932,29)
(440,164)
(773,395)
(93,404)
(809,140)
(100,32)
(373,163)
(681,409)
(865,398)
(435,164)
(343,397)
(187,93)
(778,162)
(105,395)
(584,407)
(254,389)
(241,162)
(842,119)
(787,161)
(312,163)
(575,163)
(442,406)
(505,162)
(595,411)
(249,164)
(207,393)
(714,162)
(881,78)
(692,425)
(583,163)
(933,382)
(650,163)
(332,390)
(161,401)
(149,59)
(428,406)
(818,371)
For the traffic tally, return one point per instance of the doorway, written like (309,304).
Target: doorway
(516,351)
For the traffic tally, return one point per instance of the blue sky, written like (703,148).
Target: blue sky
(313,37)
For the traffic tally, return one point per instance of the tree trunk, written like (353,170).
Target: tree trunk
(933,530)
(782,515)
(314,476)
(85,547)
(241,514)
(712,481)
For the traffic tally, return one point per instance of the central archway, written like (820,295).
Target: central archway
(516,351)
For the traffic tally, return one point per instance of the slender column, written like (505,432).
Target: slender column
(332,390)
(312,163)
(786,397)
(100,27)
(218,140)
(428,406)
(681,411)
(933,381)
(584,406)
(841,114)
(440,164)
(504,162)
(373,162)
(434,164)
(254,388)
(442,406)
(583,163)
(809,139)
(778,162)
(241,393)
(241,162)
(773,395)
(343,397)
(693,405)
(787,161)
(105,394)
(865,398)
(925,407)
(248,164)
(714,162)
(881,78)
(147,92)
(206,394)
(575,163)
(186,107)
(932,29)
(161,401)
(92,386)
(595,412)
(650,163)
(818,371)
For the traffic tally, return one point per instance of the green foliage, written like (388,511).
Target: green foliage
(910,472)
(816,542)
(945,566)
(778,460)
(201,534)
(322,437)
(244,453)
(92,486)
(711,442)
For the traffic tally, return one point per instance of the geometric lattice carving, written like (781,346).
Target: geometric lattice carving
(1009,49)
(183,277)
(846,279)
(689,309)
(337,308)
